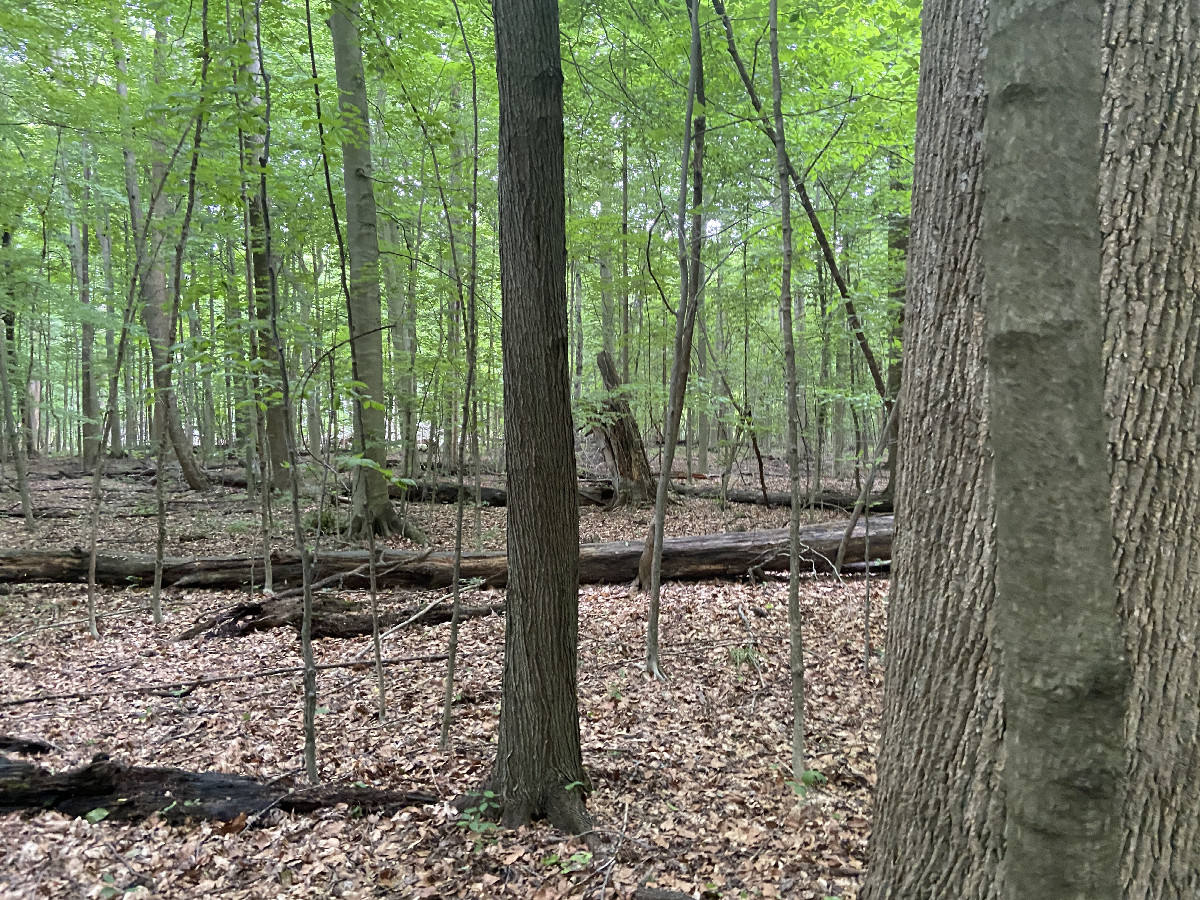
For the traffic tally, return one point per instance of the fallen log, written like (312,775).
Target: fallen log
(106,789)
(332,617)
(27,746)
(822,499)
(440,492)
(733,555)
(594,493)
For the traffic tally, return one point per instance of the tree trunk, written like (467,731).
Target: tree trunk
(274,456)
(1063,672)
(685,318)
(792,408)
(539,764)
(1151,251)
(897,263)
(13,440)
(149,257)
(115,447)
(632,479)
(939,826)
(372,508)
(938,830)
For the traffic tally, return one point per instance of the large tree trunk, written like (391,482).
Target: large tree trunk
(1063,672)
(539,763)
(739,554)
(373,510)
(938,829)
(1149,195)
(939,825)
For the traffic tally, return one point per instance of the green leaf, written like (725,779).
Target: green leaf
(99,814)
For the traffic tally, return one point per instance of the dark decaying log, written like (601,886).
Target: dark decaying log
(31,746)
(135,792)
(733,555)
(332,617)
(822,499)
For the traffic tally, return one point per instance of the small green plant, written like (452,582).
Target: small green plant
(745,656)
(614,691)
(239,528)
(581,859)
(99,814)
(324,517)
(477,819)
(110,889)
(809,778)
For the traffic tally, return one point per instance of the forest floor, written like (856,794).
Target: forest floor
(692,781)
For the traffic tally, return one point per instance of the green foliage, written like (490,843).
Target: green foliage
(479,819)
(745,656)
(325,517)
(809,779)
(850,74)
(578,860)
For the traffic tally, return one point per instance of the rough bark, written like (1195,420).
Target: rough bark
(1063,671)
(939,825)
(938,829)
(136,792)
(1149,195)
(539,764)
(632,476)
(737,554)
(373,508)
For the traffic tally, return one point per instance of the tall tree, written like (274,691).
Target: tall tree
(695,119)
(149,236)
(795,633)
(373,510)
(274,456)
(539,763)
(940,825)
(1062,666)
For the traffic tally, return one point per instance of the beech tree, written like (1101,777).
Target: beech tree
(943,802)
(373,510)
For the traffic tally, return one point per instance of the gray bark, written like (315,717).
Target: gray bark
(372,509)
(939,827)
(1063,671)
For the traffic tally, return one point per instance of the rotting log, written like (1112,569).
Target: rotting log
(332,617)
(822,499)
(732,555)
(440,492)
(135,792)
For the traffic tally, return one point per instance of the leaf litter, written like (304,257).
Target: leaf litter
(691,778)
